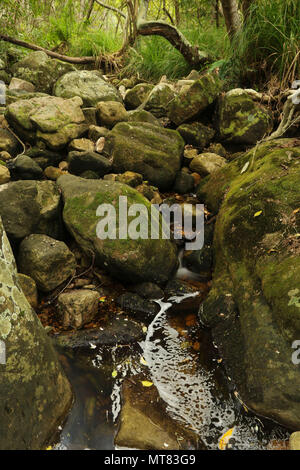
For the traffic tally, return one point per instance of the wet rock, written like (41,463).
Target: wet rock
(196,134)
(184,183)
(130,260)
(137,95)
(136,306)
(28,286)
(80,162)
(178,287)
(159,99)
(49,262)
(25,168)
(148,290)
(78,307)
(40,70)
(145,424)
(81,145)
(253,307)
(51,120)
(207,163)
(295,441)
(194,99)
(118,330)
(8,142)
(242,120)
(4,174)
(200,262)
(110,113)
(89,85)
(30,207)
(147,149)
(35,395)
(22,85)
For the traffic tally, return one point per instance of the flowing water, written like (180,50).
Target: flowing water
(193,386)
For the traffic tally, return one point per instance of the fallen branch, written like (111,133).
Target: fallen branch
(55,55)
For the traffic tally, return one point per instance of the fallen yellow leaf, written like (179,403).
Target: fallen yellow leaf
(142,361)
(102,299)
(296,211)
(114,374)
(145,383)
(225,439)
(257,214)
(49,448)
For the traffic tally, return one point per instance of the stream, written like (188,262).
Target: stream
(192,384)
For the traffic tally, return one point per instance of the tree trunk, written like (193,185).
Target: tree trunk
(232,17)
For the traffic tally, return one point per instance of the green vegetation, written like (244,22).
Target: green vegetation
(267,44)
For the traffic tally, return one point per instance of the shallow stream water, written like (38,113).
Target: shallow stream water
(191,383)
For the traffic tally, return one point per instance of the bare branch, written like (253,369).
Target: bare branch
(109,7)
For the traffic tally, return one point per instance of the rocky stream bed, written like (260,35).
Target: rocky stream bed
(142,344)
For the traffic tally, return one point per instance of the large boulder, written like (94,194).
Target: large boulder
(147,149)
(35,395)
(30,207)
(51,120)
(129,260)
(49,262)
(194,99)
(40,70)
(89,85)
(242,120)
(253,307)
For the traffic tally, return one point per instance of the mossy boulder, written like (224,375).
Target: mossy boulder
(242,120)
(40,70)
(152,151)
(30,207)
(51,120)
(196,134)
(137,95)
(129,260)
(89,85)
(194,99)
(159,99)
(35,395)
(253,307)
